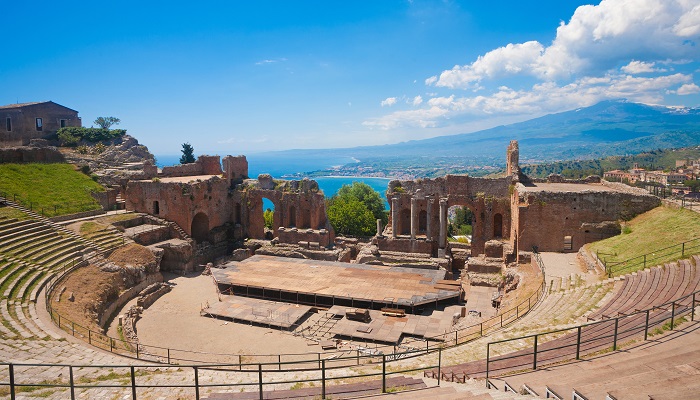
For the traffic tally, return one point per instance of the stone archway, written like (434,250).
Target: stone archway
(200,227)
(498,226)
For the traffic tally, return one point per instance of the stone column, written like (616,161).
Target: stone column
(443,224)
(429,211)
(379,227)
(414,218)
(394,217)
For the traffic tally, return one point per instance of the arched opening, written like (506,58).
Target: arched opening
(200,227)
(292,216)
(405,222)
(156,207)
(268,218)
(460,223)
(422,221)
(498,226)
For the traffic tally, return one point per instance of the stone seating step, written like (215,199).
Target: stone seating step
(30,240)
(31,252)
(6,281)
(55,248)
(65,261)
(40,285)
(27,323)
(12,283)
(10,225)
(35,317)
(11,234)
(16,326)
(22,293)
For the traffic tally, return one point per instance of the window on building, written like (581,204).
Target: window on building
(63,123)
(156,207)
(39,124)
(568,243)
(8,124)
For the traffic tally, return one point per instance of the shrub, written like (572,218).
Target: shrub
(71,135)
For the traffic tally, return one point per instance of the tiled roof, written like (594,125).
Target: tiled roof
(20,105)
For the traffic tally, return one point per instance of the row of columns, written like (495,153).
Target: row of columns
(415,211)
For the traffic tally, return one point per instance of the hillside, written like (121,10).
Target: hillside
(605,129)
(650,160)
(51,189)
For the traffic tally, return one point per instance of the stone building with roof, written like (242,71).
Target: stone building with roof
(20,123)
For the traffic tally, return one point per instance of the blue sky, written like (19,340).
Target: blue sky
(235,77)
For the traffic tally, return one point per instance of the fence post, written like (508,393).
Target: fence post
(72,382)
(488,354)
(323,379)
(578,342)
(692,311)
(501,320)
(534,353)
(260,381)
(89,331)
(617,320)
(481,329)
(168,355)
(646,326)
(683,249)
(12,381)
(673,313)
(456,343)
(645,261)
(133,383)
(137,350)
(383,373)
(439,365)
(196,383)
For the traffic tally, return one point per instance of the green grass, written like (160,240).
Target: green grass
(650,232)
(9,212)
(54,189)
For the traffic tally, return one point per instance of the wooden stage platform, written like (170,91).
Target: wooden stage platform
(326,283)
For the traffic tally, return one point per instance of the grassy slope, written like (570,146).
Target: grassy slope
(659,228)
(56,188)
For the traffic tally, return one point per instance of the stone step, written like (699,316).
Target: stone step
(60,246)
(31,252)
(16,326)
(31,240)
(40,285)
(27,322)
(33,314)
(29,226)
(12,276)
(31,279)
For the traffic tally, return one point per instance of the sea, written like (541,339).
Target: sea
(281,168)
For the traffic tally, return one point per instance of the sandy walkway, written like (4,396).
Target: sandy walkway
(562,265)
(173,321)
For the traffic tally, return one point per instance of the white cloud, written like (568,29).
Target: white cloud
(271,61)
(641,67)
(389,101)
(541,98)
(417,100)
(596,39)
(688,88)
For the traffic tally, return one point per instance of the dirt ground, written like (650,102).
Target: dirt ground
(174,321)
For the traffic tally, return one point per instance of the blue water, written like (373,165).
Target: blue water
(279,167)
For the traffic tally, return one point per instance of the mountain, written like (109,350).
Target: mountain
(608,128)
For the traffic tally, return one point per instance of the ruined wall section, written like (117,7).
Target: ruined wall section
(205,165)
(488,199)
(551,220)
(181,202)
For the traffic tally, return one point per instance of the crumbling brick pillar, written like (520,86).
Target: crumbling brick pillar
(429,212)
(394,217)
(414,218)
(443,224)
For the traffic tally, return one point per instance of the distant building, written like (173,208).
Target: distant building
(20,123)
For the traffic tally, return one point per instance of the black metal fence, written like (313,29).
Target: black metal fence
(597,337)
(135,380)
(670,253)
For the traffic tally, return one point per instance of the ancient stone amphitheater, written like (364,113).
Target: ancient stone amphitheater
(628,337)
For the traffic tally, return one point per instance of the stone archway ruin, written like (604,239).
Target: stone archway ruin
(200,227)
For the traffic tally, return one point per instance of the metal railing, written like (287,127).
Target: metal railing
(597,337)
(78,380)
(670,253)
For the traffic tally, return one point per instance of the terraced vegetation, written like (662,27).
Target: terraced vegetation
(48,189)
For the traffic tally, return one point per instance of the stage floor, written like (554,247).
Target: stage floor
(287,277)
(262,312)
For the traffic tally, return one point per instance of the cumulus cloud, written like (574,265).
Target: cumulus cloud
(641,67)
(541,98)
(688,88)
(596,39)
(417,100)
(389,101)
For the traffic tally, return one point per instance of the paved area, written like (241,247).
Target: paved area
(263,312)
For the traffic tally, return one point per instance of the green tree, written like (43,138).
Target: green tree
(350,216)
(694,184)
(106,122)
(368,196)
(268,217)
(187,154)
